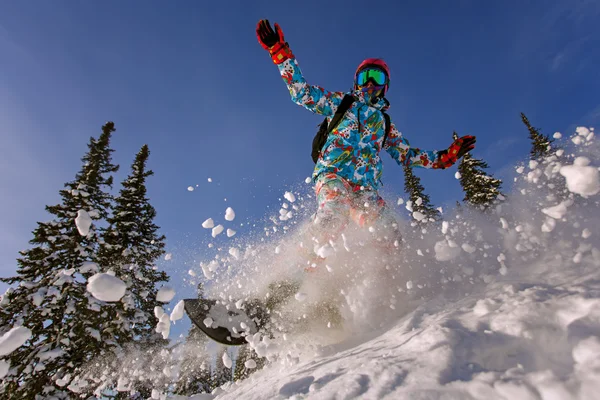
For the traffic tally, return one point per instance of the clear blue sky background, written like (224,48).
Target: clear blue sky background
(189,79)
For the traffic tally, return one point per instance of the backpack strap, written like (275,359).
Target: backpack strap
(339,113)
(326,128)
(388,127)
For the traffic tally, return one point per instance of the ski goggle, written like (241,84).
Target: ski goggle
(377,76)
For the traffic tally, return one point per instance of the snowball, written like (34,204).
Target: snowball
(520,170)
(581,178)
(582,131)
(307,180)
(557,212)
(557,135)
(83,222)
(325,251)
(503,223)
(209,223)
(549,225)
(444,251)
(208,321)
(230,232)
(418,216)
(163,326)
(445,226)
(533,164)
(409,285)
(4,367)
(457,175)
(209,268)
(168,256)
(400,201)
(165,294)
(250,364)
(190,188)
(227,360)
(229,214)
(586,233)
(468,248)
(209,179)
(14,339)
(217,230)
(106,287)
(300,296)
(88,266)
(177,312)
(235,252)
(289,197)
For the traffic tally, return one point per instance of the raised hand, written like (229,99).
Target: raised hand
(273,41)
(268,37)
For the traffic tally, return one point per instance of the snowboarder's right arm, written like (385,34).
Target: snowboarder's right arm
(314,98)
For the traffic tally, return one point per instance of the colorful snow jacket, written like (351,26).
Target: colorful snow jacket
(352,149)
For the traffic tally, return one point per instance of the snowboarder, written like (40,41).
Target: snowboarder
(348,167)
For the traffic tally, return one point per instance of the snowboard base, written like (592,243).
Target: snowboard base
(224,322)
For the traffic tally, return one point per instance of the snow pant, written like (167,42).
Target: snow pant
(341,203)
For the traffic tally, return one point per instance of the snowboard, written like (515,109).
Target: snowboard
(226,322)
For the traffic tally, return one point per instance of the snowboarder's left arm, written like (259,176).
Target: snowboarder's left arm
(401,151)
(311,97)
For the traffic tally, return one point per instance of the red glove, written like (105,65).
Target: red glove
(272,40)
(447,158)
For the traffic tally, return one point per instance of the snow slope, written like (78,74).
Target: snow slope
(517,340)
(503,306)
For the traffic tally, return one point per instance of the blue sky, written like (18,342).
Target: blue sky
(189,79)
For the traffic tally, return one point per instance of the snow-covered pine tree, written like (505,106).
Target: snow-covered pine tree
(419,204)
(245,354)
(541,144)
(222,374)
(195,372)
(195,375)
(481,189)
(131,246)
(50,298)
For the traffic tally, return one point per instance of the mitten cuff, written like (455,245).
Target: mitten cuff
(280,52)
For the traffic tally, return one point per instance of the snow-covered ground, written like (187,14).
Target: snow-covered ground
(497,306)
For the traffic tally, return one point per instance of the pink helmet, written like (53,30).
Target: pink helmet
(373,62)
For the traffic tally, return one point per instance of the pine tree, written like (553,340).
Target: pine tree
(481,189)
(541,144)
(195,374)
(130,248)
(244,354)
(221,374)
(422,209)
(51,299)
